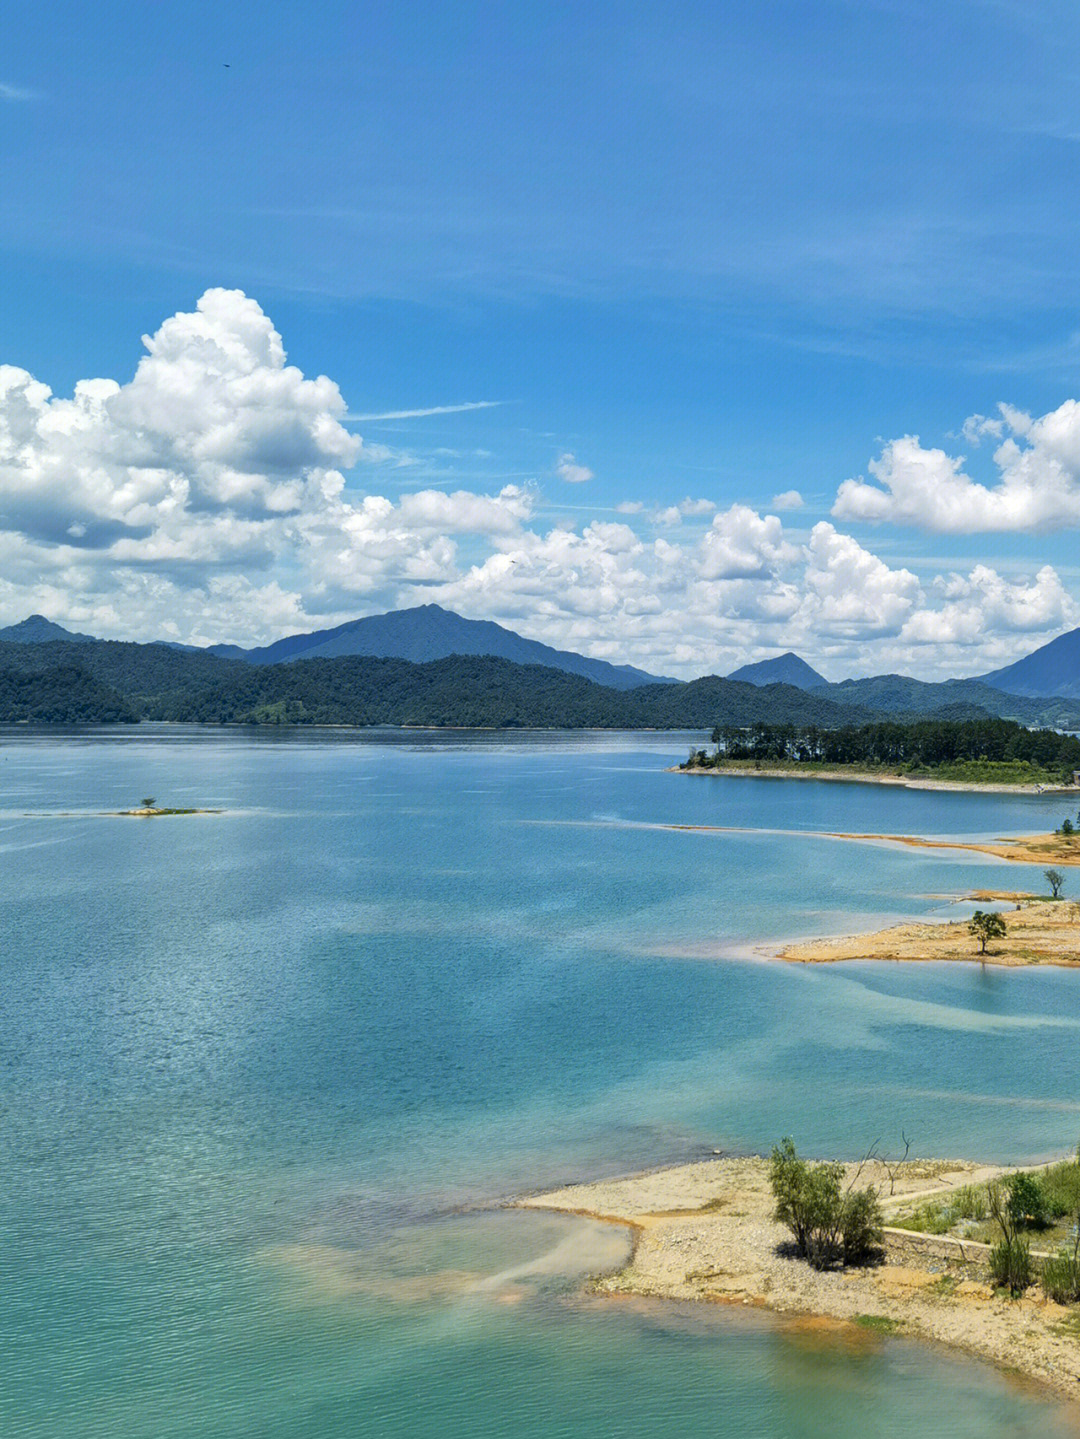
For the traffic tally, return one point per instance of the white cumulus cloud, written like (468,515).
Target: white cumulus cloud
(573,473)
(1037,487)
(787,500)
(216,495)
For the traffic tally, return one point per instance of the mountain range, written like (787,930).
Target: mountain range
(425,632)
(334,674)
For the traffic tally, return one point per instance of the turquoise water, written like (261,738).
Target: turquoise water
(262,1074)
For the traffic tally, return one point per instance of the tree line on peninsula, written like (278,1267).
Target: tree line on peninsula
(970,748)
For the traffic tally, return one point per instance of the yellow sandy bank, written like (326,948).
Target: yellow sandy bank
(1036,932)
(706,1232)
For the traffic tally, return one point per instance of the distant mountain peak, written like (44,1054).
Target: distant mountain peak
(429,632)
(36,630)
(1052,669)
(785,669)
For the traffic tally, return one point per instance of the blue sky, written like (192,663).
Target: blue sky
(697,253)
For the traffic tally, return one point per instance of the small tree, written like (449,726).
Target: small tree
(1010,1259)
(147,803)
(1066,827)
(830,1225)
(1055,879)
(985,927)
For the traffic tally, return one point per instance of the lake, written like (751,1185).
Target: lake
(265,1075)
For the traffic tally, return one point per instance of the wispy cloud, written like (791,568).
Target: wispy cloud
(15,93)
(432,410)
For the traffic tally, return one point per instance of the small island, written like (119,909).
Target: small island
(927,754)
(149,809)
(979,1257)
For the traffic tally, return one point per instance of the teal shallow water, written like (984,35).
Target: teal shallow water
(252,1064)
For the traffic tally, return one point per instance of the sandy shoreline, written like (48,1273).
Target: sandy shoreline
(863,777)
(1037,931)
(705,1232)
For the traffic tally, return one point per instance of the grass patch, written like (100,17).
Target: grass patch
(878,1323)
(964,1214)
(941,1216)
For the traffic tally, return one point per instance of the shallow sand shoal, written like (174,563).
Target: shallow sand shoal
(852,776)
(706,1232)
(1036,932)
(1048,849)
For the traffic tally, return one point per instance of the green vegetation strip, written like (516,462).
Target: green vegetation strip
(988,751)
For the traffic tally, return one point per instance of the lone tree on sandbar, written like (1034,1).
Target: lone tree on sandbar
(985,927)
(147,803)
(1055,879)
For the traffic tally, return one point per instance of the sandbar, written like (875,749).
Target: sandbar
(854,775)
(1037,931)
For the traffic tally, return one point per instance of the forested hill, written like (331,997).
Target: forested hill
(60,694)
(114,679)
(476,691)
(966,699)
(159,682)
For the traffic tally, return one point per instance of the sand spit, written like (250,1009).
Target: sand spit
(854,776)
(1048,849)
(1036,932)
(705,1231)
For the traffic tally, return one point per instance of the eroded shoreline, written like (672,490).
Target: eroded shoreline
(705,1232)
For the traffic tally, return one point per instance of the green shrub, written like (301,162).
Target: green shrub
(1061,1189)
(789,1179)
(1010,1265)
(860,1226)
(1026,1201)
(1061,1278)
(828,1225)
(938,1216)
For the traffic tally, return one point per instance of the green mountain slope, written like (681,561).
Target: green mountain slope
(479,691)
(163,683)
(428,632)
(1052,669)
(901,695)
(61,694)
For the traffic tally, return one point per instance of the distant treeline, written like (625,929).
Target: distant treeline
(921,744)
(468,691)
(63,694)
(474,691)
